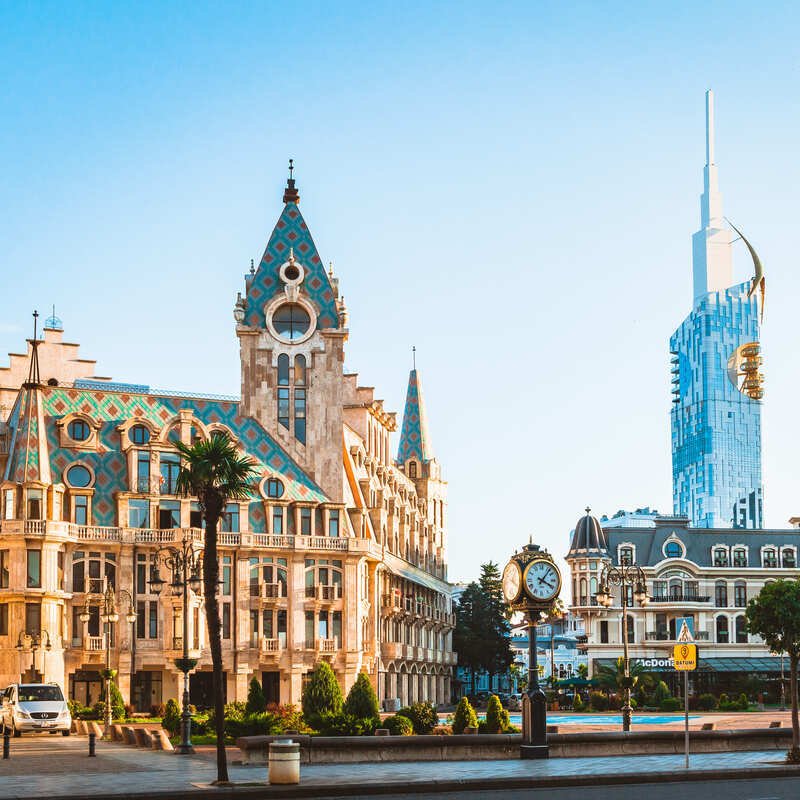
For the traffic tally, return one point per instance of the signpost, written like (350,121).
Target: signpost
(684,656)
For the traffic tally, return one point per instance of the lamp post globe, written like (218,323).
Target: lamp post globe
(531,585)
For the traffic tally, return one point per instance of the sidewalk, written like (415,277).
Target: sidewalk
(119,772)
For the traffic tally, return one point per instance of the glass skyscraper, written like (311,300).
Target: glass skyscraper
(716,379)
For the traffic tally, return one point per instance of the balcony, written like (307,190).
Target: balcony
(94,644)
(391,604)
(680,597)
(666,636)
(272,591)
(271,647)
(326,645)
(325,594)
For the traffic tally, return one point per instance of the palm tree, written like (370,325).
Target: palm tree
(613,678)
(213,471)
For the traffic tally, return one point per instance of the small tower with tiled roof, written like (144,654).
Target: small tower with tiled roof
(416,458)
(291,329)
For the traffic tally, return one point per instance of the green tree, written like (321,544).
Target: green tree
(117,701)
(494,715)
(613,678)
(470,617)
(464,717)
(322,694)
(213,471)
(256,702)
(774,615)
(495,651)
(171,721)
(362,702)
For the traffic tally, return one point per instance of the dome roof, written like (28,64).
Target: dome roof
(588,535)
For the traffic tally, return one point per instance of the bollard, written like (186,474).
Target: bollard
(92,739)
(6,744)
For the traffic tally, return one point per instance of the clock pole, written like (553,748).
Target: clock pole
(531,584)
(534,702)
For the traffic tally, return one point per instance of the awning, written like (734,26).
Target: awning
(767,664)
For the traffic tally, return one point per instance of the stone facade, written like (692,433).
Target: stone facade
(339,554)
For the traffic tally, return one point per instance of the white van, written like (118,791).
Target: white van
(35,707)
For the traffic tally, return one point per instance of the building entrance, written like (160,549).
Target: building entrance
(146,690)
(201,690)
(271,685)
(86,686)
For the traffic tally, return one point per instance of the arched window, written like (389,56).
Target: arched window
(741,630)
(584,599)
(268,577)
(323,579)
(720,557)
(139,434)
(721,594)
(283,370)
(300,370)
(788,557)
(769,557)
(740,594)
(740,557)
(722,629)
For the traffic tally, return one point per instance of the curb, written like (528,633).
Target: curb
(316,790)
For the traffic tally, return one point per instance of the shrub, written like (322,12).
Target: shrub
(577,703)
(465,716)
(290,716)
(256,702)
(362,702)
(442,730)
(706,702)
(171,719)
(512,729)
(233,710)
(494,715)
(598,701)
(660,693)
(398,725)
(321,695)
(158,711)
(670,704)
(343,724)
(423,717)
(259,724)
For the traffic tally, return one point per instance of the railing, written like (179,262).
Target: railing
(326,645)
(330,593)
(272,591)
(229,539)
(94,643)
(666,636)
(95,533)
(271,645)
(680,597)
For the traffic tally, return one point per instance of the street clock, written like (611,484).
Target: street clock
(531,577)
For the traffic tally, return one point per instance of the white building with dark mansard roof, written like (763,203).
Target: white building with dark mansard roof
(339,554)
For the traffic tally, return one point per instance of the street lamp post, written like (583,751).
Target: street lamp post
(109,616)
(625,576)
(184,563)
(38,641)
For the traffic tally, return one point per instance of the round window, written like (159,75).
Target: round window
(139,434)
(274,488)
(673,550)
(78,430)
(78,476)
(291,321)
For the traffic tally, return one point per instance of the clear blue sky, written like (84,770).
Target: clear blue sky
(511,187)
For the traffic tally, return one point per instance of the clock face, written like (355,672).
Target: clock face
(511,581)
(542,580)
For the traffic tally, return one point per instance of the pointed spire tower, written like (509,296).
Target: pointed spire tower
(711,245)
(29,457)
(416,458)
(415,440)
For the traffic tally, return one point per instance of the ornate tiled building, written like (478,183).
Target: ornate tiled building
(340,553)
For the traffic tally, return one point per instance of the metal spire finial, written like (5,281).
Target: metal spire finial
(414,357)
(33,372)
(252,267)
(291,168)
(588,509)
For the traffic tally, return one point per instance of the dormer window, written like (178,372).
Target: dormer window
(769,558)
(720,557)
(788,557)
(673,549)
(139,434)
(78,430)
(739,557)
(626,556)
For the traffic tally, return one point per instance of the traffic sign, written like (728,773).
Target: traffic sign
(685,657)
(685,634)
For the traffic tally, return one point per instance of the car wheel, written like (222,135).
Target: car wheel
(65,733)
(14,730)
